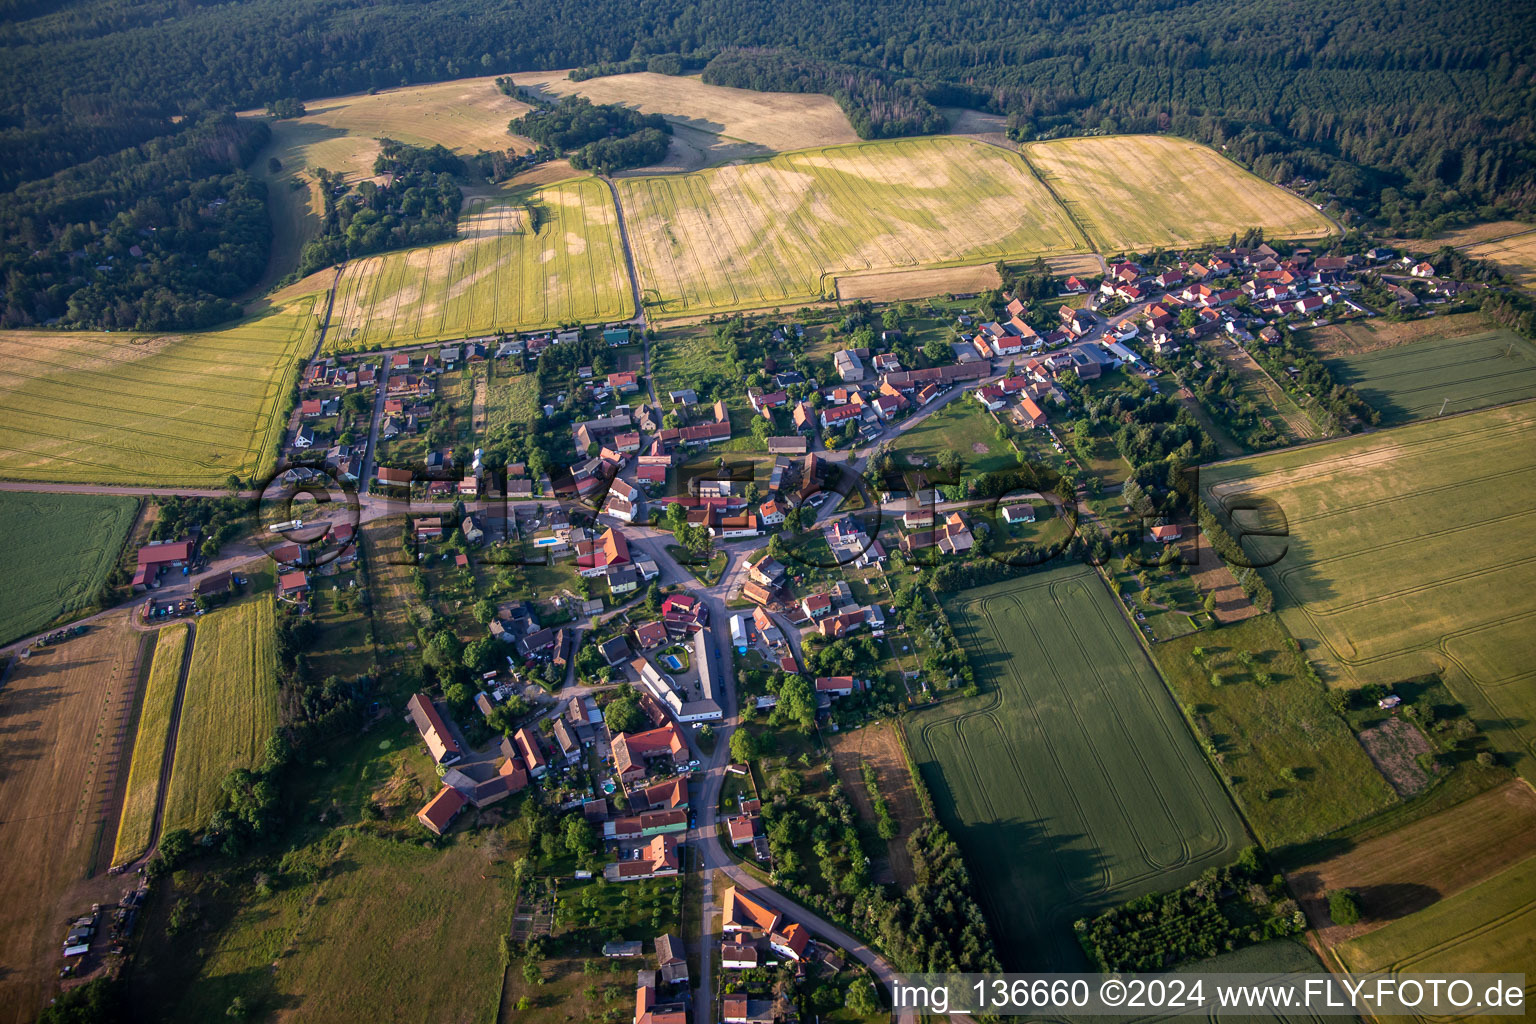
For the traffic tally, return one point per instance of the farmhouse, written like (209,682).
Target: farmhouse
(434,731)
(741,913)
(657,859)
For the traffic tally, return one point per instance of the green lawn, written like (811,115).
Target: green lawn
(962,426)
(62,548)
(1073,759)
(1267,720)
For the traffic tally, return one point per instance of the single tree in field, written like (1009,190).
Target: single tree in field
(1343,907)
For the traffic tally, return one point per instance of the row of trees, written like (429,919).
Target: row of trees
(878,105)
(1222,910)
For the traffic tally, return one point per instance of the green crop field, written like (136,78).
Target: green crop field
(145,408)
(1490,927)
(62,548)
(773,232)
(1071,783)
(154,731)
(1291,760)
(228,711)
(1134,193)
(1414,382)
(1403,556)
(496,276)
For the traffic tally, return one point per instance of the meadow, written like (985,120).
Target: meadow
(1417,381)
(58,711)
(1486,928)
(181,410)
(963,426)
(63,546)
(498,275)
(153,733)
(774,232)
(1073,759)
(1134,193)
(229,708)
(1291,761)
(1397,560)
(511,399)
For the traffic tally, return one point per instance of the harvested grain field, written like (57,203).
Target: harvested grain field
(776,231)
(175,410)
(58,711)
(776,121)
(342,133)
(1490,927)
(1515,254)
(880,746)
(1400,557)
(1407,870)
(229,708)
(918,284)
(501,274)
(1134,193)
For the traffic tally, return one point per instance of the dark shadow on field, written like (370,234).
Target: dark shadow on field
(1024,878)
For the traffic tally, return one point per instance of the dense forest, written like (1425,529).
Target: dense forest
(417,202)
(602,137)
(161,235)
(1416,114)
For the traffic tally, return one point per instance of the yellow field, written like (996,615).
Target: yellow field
(154,731)
(495,276)
(773,232)
(228,711)
(779,121)
(341,135)
(1134,193)
(171,409)
(1515,253)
